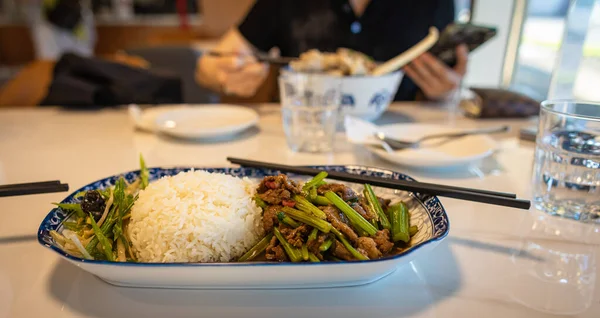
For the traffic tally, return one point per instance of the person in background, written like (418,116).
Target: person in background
(381,29)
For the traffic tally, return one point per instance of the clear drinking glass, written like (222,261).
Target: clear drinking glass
(566,179)
(309,106)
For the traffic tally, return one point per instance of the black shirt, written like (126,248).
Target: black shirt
(386,28)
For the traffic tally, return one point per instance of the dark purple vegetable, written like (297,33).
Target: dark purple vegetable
(93,203)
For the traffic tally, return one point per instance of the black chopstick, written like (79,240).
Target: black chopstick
(261,57)
(8,190)
(30,184)
(476,195)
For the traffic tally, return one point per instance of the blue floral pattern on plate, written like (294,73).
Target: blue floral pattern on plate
(429,208)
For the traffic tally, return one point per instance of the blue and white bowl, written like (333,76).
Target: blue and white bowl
(427,213)
(365,97)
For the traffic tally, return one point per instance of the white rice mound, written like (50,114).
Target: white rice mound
(195,216)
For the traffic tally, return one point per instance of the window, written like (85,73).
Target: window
(555,28)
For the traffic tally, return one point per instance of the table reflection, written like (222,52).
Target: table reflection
(560,278)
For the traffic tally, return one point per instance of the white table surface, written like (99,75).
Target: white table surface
(496,262)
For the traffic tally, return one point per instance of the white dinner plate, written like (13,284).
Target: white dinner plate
(206,121)
(456,152)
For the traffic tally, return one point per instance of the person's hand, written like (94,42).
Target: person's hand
(436,79)
(238,75)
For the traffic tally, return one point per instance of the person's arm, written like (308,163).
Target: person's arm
(240,73)
(435,79)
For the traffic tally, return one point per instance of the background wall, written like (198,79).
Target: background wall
(486,63)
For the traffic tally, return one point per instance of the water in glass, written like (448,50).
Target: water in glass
(309,108)
(566,178)
(308,128)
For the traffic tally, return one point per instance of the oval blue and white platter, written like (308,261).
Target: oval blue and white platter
(427,213)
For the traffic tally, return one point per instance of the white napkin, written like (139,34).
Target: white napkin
(362,132)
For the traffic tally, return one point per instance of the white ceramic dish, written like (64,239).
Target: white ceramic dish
(427,213)
(456,152)
(205,121)
(145,119)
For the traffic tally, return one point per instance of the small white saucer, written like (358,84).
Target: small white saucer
(456,152)
(206,121)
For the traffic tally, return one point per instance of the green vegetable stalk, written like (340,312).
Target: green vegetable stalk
(259,202)
(73,226)
(106,244)
(376,207)
(352,215)
(144,173)
(321,200)
(303,204)
(325,245)
(309,219)
(413,230)
(314,181)
(293,253)
(313,235)
(400,222)
(304,251)
(287,220)
(108,224)
(348,246)
(313,258)
(257,249)
(312,193)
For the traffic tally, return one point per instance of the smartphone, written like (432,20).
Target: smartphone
(455,34)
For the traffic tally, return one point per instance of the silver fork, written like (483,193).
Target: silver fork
(403,144)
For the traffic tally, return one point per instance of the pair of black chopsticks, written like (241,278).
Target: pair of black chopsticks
(7,190)
(476,195)
(260,57)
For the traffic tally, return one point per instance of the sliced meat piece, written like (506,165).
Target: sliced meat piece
(340,251)
(358,208)
(385,203)
(275,196)
(295,236)
(278,182)
(270,217)
(275,252)
(383,241)
(346,193)
(362,202)
(368,245)
(336,213)
(333,216)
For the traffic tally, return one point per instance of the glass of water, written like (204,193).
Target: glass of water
(566,180)
(310,105)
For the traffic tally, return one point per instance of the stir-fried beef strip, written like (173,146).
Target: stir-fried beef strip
(276,196)
(340,251)
(278,182)
(334,217)
(295,236)
(364,205)
(367,247)
(313,245)
(385,203)
(275,252)
(346,193)
(270,217)
(382,239)
(365,213)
